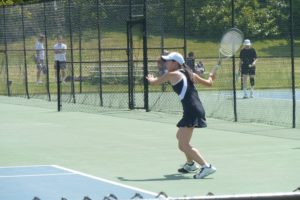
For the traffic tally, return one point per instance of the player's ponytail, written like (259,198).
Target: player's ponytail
(188,72)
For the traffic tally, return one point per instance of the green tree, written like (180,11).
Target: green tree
(257,18)
(7,2)
(15,2)
(296,15)
(263,18)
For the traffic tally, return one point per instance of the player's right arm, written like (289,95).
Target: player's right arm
(171,77)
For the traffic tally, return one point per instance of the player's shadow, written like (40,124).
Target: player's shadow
(167,177)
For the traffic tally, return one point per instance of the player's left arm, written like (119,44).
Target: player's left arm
(206,82)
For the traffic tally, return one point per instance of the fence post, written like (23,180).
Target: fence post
(233,67)
(292,62)
(80,48)
(8,82)
(145,59)
(99,55)
(46,46)
(24,52)
(162,37)
(71,48)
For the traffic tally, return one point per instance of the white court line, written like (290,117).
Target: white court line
(105,180)
(24,166)
(36,175)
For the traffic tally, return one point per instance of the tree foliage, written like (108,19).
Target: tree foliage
(16,2)
(208,18)
(7,2)
(257,18)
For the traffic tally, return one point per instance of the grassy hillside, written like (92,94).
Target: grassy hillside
(273,66)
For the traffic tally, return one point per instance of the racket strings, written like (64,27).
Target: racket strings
(231,42)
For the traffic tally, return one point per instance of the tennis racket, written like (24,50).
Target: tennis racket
(230,43)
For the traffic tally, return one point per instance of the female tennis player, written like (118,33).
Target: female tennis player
(182,79)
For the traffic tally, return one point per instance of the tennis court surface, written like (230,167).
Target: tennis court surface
(74,154)
(55,182)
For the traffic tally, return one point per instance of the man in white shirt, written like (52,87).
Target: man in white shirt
(60,57)
(40,57)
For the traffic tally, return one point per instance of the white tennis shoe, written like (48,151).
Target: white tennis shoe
(187,168)
(251,94)
(205,171)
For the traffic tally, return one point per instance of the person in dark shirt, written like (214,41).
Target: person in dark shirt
(190,60)
(198,67)
(248,60)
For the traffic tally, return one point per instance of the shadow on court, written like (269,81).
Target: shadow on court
(168,177)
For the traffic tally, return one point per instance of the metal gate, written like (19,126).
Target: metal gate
(137,62)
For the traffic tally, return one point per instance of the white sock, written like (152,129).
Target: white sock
(190,163)
(205,165)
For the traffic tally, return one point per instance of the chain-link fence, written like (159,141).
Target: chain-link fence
(112,45)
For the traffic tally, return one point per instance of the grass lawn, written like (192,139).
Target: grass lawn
(273,66)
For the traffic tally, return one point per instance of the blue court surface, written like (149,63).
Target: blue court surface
(51,182)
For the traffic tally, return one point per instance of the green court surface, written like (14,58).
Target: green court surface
(139,149)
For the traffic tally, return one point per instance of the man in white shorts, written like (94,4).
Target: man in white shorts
(40,58)
(60,50)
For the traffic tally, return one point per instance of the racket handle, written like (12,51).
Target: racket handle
(215,69)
